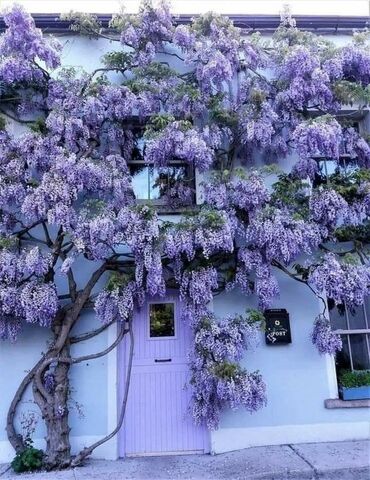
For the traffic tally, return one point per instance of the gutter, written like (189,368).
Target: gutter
(329,24)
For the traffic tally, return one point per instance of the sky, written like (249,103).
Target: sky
(269,7)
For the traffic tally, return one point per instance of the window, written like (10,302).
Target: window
(353,325)
(156,184)
(346,164)
(153,184)
(161,320)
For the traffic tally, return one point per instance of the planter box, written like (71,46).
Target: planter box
(355,393)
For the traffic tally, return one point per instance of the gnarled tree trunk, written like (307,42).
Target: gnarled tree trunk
(58,447)
(53,403)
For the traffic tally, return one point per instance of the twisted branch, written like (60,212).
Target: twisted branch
(88,450)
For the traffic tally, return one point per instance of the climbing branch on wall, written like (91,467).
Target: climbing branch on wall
(81,456)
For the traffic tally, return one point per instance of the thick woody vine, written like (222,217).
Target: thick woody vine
(198,94)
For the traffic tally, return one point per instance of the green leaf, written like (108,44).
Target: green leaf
(28,460)
(350,93)
(356,378)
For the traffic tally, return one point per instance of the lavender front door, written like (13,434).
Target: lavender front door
(157,421)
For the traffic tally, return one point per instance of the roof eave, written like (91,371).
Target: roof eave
(51,22)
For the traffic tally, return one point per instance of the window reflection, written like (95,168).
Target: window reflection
(139,174)
(150,183)
(355,333)
(343,359)
(356,317)
(337,316)
(360,355)
(162,320)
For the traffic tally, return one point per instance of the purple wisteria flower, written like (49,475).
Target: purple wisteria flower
(324,339)
(22,46)
(211,231)
(319,137)
(179,141)
(283,238)
(117,303)
(343,282)
(218,381)
(328,207)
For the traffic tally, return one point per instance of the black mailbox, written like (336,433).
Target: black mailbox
(277,326)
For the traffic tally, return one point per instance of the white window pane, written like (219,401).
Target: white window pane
(328,167)
(140,179)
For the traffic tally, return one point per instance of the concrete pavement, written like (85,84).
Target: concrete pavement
(330,461)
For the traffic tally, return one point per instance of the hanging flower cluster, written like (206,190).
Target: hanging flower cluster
(146,32)
(305,168)
(20,52)
(283,238)
(179,141)
(141,234)
(307,83)
(246,192)
(198,285)
(24,293)
(355,61)
(116,303)
(179,195)
(343,282)
(324,339)
(319,137)
(214,47)
(356,146)
(218,381)
(254,275)
(209,231)
(328,207)
(258,125)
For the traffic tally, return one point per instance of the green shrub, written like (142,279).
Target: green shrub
(28,460)
(357,378)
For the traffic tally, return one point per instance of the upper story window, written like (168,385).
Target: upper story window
(346,163)
(353,325)
(158,184)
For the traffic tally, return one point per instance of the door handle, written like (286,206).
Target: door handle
(163,360)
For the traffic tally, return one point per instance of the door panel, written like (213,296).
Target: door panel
(157,421)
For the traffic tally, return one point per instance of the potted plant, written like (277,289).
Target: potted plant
(354,385)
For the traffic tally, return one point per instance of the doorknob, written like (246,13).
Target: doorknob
(162,360)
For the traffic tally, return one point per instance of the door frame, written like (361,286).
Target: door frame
(121,367)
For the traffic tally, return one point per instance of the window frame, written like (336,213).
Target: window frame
(353,331)
(362,120)
(175,326)
(190,178)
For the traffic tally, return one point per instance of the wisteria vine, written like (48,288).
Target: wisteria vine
(194,97)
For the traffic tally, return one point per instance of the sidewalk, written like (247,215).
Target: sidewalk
(331,461)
